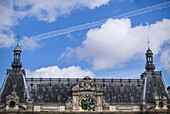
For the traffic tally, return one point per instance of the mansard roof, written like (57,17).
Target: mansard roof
(59,90)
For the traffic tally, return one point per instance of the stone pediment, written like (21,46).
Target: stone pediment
(87,85)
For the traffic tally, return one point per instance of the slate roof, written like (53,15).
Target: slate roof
(58,90)
(155,86)
(14,82)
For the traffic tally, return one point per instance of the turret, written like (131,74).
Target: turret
(15,82)
(17,64)
(149,60)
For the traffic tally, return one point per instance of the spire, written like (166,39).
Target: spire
(16,64)
(149,59)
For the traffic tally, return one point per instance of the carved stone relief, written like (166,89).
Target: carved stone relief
(87,96)
(160,103)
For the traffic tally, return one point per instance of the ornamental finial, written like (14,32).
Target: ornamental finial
(18,39)
(148,42)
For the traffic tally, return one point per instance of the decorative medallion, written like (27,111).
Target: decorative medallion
(12,104)
(161,104)
(87,103)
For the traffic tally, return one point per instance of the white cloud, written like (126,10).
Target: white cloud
(49,10)
(6,21)
(56,72)
(6,39)
(165,59)
(29,43)
(7,14)
(44,10)
(116,42)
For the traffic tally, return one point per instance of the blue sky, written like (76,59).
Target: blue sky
(102,39)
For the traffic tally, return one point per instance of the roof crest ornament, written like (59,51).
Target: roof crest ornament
(18,39)
(148,42)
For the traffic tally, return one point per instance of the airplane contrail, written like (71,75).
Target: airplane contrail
(100,22)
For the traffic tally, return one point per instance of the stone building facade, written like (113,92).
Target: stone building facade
(21,94)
